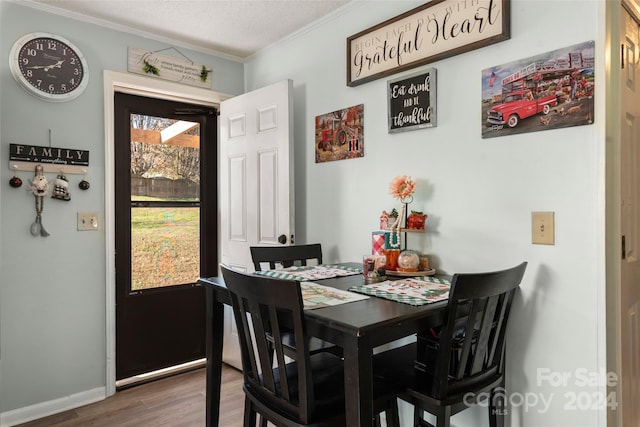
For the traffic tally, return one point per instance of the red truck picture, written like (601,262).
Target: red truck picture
(519,105)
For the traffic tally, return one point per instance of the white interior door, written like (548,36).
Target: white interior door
(256,182)
(629,221)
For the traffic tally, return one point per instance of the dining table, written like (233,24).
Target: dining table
(358,327)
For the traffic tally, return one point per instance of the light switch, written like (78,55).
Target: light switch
(542,228)
(87,221)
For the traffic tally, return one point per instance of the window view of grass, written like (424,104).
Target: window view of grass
(165,246)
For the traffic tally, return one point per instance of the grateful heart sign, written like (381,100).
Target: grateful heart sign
(431,32)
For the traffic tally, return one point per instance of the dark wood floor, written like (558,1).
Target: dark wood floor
(177,401)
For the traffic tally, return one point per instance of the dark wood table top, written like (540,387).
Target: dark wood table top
(359,317)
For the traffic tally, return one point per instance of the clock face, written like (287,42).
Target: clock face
(49,66)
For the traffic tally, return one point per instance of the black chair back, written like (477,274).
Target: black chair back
(472,342)
(261,307)
(286,256)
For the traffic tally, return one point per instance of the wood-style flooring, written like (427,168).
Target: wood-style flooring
(177,401)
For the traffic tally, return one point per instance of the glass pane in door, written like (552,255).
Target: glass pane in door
(165,202)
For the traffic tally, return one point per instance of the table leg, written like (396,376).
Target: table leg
(215,327)
(358,382)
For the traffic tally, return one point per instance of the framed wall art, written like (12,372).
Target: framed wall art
(339,134)
(412,101)
(549,91)
(436,30)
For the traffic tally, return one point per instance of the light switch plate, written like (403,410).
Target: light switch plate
(543,228)
(88,221)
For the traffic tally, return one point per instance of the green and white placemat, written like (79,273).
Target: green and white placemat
(413,291)
(316,272)
(315,295)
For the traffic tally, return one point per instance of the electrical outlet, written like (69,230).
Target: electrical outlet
(87,221)
(542,228)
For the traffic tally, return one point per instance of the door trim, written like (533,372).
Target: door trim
(113,82)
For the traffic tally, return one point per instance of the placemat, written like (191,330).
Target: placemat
(316,272)
(413,291)
(315,295)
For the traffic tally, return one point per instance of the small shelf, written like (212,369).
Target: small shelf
(48,167)
(412,230)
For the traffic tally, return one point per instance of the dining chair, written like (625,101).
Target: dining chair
(461,363)
(285,256)
(309,390)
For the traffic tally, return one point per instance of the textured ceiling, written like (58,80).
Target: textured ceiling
(237,28)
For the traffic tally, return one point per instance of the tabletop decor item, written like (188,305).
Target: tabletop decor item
(408,261)
(379,242)
(392,259)
(402,188)
(416,220)
(374,268)
(384,220)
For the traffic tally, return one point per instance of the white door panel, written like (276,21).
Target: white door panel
(256,181)
(629,222)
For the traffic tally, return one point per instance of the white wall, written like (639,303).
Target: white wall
(52,291)
(478,193)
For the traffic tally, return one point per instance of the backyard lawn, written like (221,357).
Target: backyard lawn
(165,246)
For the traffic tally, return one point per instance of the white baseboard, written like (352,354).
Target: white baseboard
(44,409)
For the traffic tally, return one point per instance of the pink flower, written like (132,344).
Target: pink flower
(402,187)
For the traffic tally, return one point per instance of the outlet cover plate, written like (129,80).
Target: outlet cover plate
(88,221)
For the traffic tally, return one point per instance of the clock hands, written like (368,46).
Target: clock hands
(47,67)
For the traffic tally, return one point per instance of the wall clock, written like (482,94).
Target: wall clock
(49,66)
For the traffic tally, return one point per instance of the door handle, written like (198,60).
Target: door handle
(282,239)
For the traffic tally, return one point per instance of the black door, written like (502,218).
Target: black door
(166,230)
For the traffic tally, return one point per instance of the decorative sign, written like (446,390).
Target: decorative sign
(412,102)
(340,134)
(142,61)
(549,91)
(48,155)
(431,32)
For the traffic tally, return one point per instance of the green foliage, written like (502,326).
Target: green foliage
(150,69)
(204,73)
